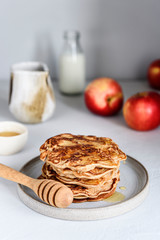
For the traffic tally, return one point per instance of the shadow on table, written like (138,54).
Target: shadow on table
(76,102)
(118,119)
(4,109)
(10,187)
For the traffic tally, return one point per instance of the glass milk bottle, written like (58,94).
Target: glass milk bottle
(72,65)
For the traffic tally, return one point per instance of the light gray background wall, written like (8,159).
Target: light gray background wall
(120,37)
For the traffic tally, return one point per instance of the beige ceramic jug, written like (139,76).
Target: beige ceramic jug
(31,98)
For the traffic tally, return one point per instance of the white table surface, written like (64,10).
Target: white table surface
(18,222)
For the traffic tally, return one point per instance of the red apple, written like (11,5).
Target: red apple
(156,96)
(104,96)
(154,74)
(142,111)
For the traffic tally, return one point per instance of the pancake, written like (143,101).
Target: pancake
(88,165)
(96,173)
(81,153)
(99,198)
(90,194)
(87,182)
(81,181)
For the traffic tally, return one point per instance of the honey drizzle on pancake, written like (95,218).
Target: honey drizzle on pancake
(116,197)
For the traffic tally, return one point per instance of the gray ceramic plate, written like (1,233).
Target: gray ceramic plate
(133,176)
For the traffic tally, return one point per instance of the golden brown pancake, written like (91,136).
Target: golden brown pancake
(81,192)
(96,173)
(99,198)
(109,175)
(81,152)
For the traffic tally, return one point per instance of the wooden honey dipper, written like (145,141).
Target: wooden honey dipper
(50,191)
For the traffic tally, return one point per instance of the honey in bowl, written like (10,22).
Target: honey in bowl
(9,134)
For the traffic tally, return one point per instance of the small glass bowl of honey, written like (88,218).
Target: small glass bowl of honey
(13,137)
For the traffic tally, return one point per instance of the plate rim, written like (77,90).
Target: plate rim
(139,195)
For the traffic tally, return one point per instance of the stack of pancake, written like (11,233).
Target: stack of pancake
(88,165)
